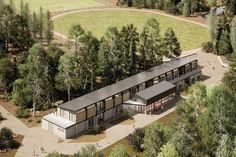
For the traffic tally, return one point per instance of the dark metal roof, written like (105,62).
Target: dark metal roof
(108,91)
(182,77)
(155,90)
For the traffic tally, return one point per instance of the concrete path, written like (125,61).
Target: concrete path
(12,122)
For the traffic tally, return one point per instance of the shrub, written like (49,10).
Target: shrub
(208,47)
(6,139)
(136,139)
(6,134)
(13,144)
(22,113)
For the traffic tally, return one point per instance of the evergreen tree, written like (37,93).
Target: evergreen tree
(224,46)
(7,75)
(129,40)
(48,28)
(111,56)
(25,13)
(7,26)
(187,8)
(233,34)
(41,24)
(150,45)
(172,45)
(75,32)
(34,25)
(21,35)
(88,59)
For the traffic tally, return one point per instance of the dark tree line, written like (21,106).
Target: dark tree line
(20,29)
(222,30)
(185,7)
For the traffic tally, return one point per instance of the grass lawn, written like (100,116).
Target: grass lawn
(190,35)
(12,153)
(59,5)
(123,120)
(166,119)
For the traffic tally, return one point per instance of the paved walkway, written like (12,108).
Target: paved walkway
(12,122)
(38,137)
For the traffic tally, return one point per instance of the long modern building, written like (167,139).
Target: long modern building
(144,92)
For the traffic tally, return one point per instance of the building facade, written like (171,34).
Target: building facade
(144,92)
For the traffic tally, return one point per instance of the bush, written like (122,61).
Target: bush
(13,144)
(136,139)
(208,47)
(6,139)
(22,113)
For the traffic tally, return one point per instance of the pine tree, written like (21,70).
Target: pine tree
(129,40)
(187,8)
(40,24)
(75,32)
(111,56)
(150,44)
(224,46)
(171,44)
(48,28)
(34,25)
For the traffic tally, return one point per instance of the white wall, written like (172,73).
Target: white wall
(44,124)
(59,131)
(109,114)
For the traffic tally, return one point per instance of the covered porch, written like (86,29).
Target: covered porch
(153,98)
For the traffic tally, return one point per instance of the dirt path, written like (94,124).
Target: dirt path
(122,9)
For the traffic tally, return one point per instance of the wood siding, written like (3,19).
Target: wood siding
(126,96)
(118,100)
(109,104)
(80,116)
(91,111)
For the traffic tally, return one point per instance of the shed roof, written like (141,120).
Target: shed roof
(108,91)
(155,90)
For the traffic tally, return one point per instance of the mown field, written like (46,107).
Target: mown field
(60,5)
(190,35)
